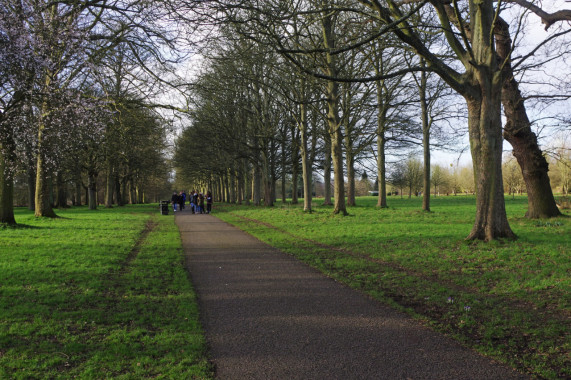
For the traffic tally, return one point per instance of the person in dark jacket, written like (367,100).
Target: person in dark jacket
(201,203)
(174,200)
(181,201)
(208,202)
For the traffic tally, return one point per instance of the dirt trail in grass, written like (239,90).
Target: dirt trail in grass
(269,316)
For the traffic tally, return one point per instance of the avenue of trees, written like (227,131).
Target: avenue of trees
(328,84)
(285,92)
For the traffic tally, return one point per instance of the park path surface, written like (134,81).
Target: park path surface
(269,316)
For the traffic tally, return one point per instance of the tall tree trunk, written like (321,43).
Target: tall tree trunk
(381,142)
(245,179)
(425,139)
(232,185)
(132,192)
(219,196)
(350,159)
(119,194)
(240,184)
(484,123)
(283,166)
(295,148)
(327,172)
(6,180)
(109,185)
(92,189)
(43,206)
(273,176)
(77,184)
(517,131)
(485,127)
(61,189)
(305,160)
(31,179)
(333,120)
(256,185)
(267,180)
(381,169)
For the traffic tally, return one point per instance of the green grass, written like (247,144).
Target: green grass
(508,300)
(97,294)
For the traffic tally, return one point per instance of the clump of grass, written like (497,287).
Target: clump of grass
(98,295)
(511,300)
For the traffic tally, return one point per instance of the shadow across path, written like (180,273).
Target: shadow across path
(269,316)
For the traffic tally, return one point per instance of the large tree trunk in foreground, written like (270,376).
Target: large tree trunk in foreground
(484,123)
(534,166)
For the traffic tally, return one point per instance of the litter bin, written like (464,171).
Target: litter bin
(164,207)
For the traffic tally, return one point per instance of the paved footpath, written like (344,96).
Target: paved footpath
(269,316)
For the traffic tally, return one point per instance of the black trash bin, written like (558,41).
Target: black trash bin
(164,207)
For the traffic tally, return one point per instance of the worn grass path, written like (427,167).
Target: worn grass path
(269,316)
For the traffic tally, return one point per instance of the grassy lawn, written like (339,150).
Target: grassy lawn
(97,294)
(508,300)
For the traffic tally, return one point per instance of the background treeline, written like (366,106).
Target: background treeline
(78,124)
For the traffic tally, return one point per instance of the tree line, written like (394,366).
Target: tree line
(298,86)
(287,89)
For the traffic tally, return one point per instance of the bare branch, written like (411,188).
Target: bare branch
(547,19)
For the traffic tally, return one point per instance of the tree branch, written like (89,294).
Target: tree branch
(547,19)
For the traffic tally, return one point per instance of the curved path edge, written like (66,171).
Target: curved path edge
(268,316)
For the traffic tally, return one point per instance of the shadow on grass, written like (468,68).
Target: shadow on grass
(19,226)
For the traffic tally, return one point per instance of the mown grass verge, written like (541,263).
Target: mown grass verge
(99,294)
(508,300)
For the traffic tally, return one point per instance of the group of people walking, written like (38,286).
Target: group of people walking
(195,199)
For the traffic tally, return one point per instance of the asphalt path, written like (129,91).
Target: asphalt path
(268,316)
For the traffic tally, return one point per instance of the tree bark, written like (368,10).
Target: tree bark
(256,185)
(517,131)
(294,165)
(61,188)
(484,123)
(381,169)
(283,165)
(6,183)
(118,192)
(43,206)
(305,160)
(31,179)
(425,140)
(327,172)
(239,184)
(333,120)
(109,185)
(350,160)
(92,189)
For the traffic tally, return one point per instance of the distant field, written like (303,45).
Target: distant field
(508,300)
(99,294)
